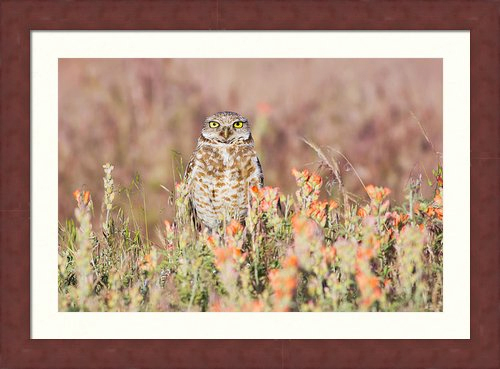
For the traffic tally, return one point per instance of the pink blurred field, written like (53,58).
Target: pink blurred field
(135,113)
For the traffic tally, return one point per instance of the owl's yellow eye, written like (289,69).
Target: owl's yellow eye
(238,124)
(213,124)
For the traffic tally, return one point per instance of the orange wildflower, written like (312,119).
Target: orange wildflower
(236,252)
(266,197)
(270,198)
(228,254)
(290,283)
(283,282)
(395,219)
(86,197)
(362,212)
(316,180)
(308,189)
(222,254)
(317,211)
(83,196)
(255,190)
(373,281)
(216,306)
(369,287)
(364,253)
(377,193)
(234,228)
(305,174)
(291,261)
(370,189)
(211,241)
(254,306)
(257,306)
(303,226)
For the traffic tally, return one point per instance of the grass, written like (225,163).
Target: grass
(313,250)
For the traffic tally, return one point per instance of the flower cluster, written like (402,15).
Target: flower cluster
(283,283)
(82,198)
(433,209)
(265,198)
(367,251)
(309,187)
(263,207)
(379,203)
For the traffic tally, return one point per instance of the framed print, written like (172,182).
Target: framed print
(323,249)
(203,183)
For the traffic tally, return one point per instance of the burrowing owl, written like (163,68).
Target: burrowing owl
(222,168)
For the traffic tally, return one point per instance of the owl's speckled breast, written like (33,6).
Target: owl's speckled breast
(222,176)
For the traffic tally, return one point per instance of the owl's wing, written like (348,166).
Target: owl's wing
(189,170)
(258,172)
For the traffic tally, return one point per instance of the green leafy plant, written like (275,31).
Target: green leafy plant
(302,252)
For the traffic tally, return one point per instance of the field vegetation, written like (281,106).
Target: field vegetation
(349,220)
(294,252)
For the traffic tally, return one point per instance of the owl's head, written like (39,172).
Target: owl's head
(226,127)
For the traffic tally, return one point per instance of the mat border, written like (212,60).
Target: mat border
(18,18)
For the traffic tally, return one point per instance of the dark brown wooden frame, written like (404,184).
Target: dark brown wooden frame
(18,18)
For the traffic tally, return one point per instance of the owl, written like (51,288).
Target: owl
(222,169)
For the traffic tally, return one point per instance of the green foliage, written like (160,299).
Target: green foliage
(292,253)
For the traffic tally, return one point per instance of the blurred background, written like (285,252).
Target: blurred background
(144,116)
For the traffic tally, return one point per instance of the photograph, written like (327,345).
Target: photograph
(250,185)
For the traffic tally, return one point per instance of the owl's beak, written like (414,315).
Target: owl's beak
(225,132)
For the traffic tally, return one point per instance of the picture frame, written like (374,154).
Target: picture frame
(19,18)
